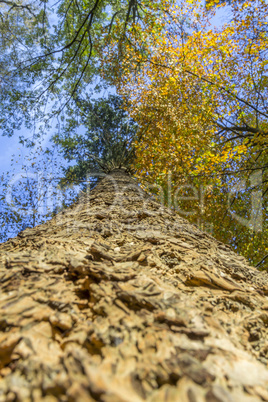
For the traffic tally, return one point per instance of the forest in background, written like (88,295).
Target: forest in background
(187,110)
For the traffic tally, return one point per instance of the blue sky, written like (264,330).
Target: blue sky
(8,147)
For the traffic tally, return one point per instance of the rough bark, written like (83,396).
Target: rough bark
(119,299)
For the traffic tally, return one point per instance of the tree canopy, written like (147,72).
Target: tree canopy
(195,94)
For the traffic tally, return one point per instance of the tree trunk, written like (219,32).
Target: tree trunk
(118,299)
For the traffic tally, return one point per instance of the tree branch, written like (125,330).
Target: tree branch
(262,261)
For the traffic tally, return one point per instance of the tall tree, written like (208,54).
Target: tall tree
(116,298)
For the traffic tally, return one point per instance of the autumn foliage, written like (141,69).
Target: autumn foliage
(199,94)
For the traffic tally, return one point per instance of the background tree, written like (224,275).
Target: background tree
(30,192)
(99,139)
